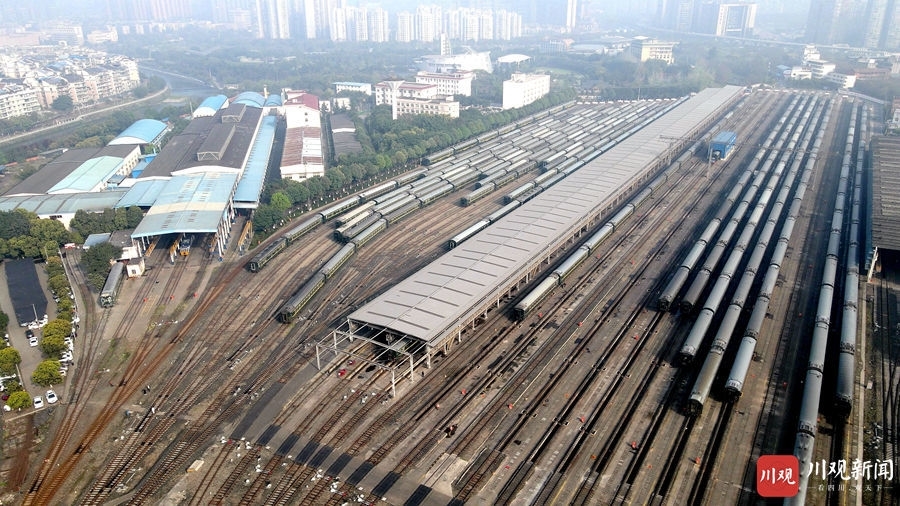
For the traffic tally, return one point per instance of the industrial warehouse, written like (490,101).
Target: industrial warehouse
(193,187)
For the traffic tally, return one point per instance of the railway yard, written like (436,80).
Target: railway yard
(241,387)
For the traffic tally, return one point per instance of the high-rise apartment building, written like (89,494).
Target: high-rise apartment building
(823,21)
(405,27)
(882,25)
(379,29)
(726,19)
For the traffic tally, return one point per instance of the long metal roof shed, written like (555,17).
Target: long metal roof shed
(251,183)
(441,299)
(885,197)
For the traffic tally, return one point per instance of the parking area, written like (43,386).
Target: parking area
(20,339)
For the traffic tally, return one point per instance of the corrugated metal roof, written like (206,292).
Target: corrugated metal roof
(181,152)
(302,145)
(89,175)
(251,183)
(63,203)
(250,98)
(191,203)
(143,193)
(59,168)
(142,131)
(446,294)
(885,197)
(210,105)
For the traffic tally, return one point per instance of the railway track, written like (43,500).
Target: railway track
(399,431)
(247,360)
(455,413)
(50,477)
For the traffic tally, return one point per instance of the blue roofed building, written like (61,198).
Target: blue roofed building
(192,204)
(141,132)
(210,106)
(250,185)
(250,98)
(192,186)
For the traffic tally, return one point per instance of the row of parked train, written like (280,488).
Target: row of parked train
(361,217)
(268,253)
(807,426)
(779,181)
(558,276)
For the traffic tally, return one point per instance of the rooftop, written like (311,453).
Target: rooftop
(191,203)
(885,198)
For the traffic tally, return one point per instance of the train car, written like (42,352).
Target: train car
(462,146)
(340,233)
(340,207)
(265,256)
(351,215)
(394,205)
(378,190)
(463,178)
(349,233)
(410,177)
(478,194)
(303,228)
(184,244)
(291,309)
(337,260)
(398,214)
(110,291)
(518,192)
(369,232)
(721,146)
(435,194)
(467,233)
(436,156)
(534,297)
(503,211)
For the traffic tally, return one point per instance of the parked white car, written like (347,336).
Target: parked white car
(51,397)
(38,402)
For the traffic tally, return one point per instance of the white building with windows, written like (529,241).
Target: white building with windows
(449,83)
(444,106)
(419,91)
(523,89)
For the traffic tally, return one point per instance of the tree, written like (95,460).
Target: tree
(59,285)
(19,400)
(54,267)
(53,345)
(9,359)
(96,263)
(14,224)
(57,328)
(63,103)
(4,322)
(280,201)
(133,216)
(47,373)
(265,217)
